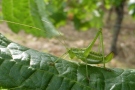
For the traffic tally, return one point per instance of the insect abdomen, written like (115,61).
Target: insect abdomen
(94,58)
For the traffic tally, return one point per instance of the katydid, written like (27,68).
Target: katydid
(89,56)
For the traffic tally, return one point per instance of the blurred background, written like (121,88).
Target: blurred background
(77,20)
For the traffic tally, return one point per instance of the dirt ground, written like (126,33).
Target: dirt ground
(73,38)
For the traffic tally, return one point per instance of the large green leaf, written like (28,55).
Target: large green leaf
(22,68)
(28,12)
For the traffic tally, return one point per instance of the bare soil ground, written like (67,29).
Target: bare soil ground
(73,38)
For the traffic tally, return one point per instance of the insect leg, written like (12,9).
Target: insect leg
(87,70)
(88,49)
(102,49)
(60,57)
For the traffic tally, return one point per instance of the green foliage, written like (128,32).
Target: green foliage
(28,12)
(110,3)
(56,11)
(22,68)
(84,14)
(34,11)
(131,7)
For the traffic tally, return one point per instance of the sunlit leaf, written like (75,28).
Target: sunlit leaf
(30,13)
